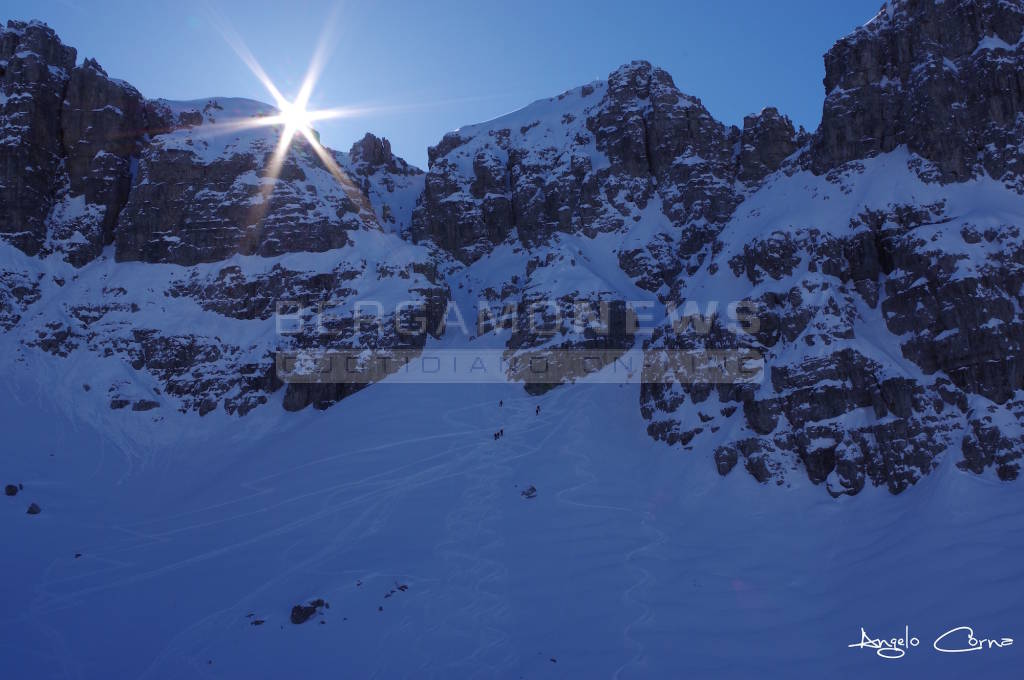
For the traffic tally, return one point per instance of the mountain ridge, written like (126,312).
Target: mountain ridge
(895,224)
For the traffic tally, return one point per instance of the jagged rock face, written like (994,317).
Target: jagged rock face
(944,78)
(203,338)
(391,184)
(993,440)
(959,308)
(890,323)
(629,170)
(71,134)
(888,337)
(590,161)
(103,123)
(34,70)
(18,291)
(376,152)
(200,194)
(593,160)
(768,139)
(651,131)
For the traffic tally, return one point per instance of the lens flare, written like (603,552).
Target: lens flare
(295,118)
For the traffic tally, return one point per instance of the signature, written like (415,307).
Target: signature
(954,641)
(893,648)
(962,639)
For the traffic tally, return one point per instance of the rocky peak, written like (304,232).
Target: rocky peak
(372,150)
(946,79)
(640,81)
(34,41)
(768,139)
(646,123)
(450,141)
(391,184)
(66,158)
(91,64)
(535,172)
(372,155)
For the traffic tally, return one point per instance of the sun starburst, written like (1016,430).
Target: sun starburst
(295,118)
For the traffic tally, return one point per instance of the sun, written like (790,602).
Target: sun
(295,116)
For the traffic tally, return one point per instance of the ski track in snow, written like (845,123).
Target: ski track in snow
(633,561)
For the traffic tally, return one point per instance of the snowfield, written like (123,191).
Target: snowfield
(634,560)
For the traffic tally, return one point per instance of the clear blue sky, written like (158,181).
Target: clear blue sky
(443,63)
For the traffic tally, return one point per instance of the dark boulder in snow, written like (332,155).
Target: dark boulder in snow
(304,612)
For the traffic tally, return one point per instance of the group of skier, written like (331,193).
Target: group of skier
(501,433)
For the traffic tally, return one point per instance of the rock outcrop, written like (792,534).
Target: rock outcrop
(945,79)
(34,70)
(72,135)
(392,185)
(103,123)
(768,139)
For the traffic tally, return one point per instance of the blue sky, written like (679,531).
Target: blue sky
(437,65)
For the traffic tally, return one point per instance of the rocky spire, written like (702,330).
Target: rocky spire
(768,139)
(372,150)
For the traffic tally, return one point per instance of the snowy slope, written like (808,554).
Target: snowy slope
(631,561)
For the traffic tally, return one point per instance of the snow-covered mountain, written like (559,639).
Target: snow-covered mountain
(882,253)
(192,517)
(154,240)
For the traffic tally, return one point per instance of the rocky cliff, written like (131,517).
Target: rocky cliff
(945,79)
(164,249)
(886,260)
(881,254)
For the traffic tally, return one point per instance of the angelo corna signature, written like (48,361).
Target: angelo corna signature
(954,641)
